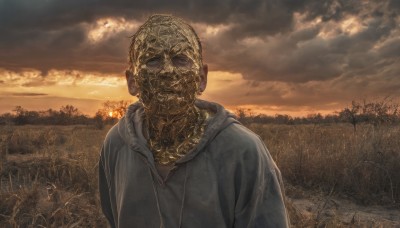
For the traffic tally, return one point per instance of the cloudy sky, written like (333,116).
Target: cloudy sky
(273,56)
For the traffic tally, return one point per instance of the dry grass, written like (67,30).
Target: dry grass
(364,165)
(48,174)
(50,177)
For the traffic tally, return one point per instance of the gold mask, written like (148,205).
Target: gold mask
(165,56)
(166,63)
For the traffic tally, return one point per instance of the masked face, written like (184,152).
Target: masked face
(167,67)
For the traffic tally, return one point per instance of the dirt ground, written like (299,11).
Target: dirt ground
(347,212)
(313,209)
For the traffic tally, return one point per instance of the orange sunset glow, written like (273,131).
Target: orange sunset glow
(294,59)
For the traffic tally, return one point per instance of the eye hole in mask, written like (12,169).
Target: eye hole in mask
(182,61)
(155,62)
(178,61)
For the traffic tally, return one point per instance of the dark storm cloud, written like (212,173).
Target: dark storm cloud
(300,55)
(262,41)
(58,13)
(50,34)
(65,48)
(391,49)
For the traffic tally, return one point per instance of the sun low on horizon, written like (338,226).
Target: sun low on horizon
(270,58)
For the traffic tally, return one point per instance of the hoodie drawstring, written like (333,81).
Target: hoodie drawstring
(183,196)
(158,203)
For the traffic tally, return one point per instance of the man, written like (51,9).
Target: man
(176,161)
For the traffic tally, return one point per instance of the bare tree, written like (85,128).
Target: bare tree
(69,111)
(384,111)
(244,115)
(352,114)
(378,112)
(113,109)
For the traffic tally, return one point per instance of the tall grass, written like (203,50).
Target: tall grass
(48,174)
(364,165)
(49,178)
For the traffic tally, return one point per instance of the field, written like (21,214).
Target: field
(334,177)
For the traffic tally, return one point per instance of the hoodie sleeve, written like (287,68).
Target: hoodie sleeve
(260,199)
(104,191)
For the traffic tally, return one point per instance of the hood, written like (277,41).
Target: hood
(131,125)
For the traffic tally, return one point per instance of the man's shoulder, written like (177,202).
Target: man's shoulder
(239,136)
(237,144)
(113,140)
(112,134)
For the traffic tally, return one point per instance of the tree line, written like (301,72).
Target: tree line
(110,112)
(378,112)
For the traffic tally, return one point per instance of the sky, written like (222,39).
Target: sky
(294,57)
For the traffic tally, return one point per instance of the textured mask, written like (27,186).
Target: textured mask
(165,56)
(166,62)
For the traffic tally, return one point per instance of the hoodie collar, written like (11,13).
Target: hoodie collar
(131,125)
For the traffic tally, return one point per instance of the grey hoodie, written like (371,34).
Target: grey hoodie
(228,180)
